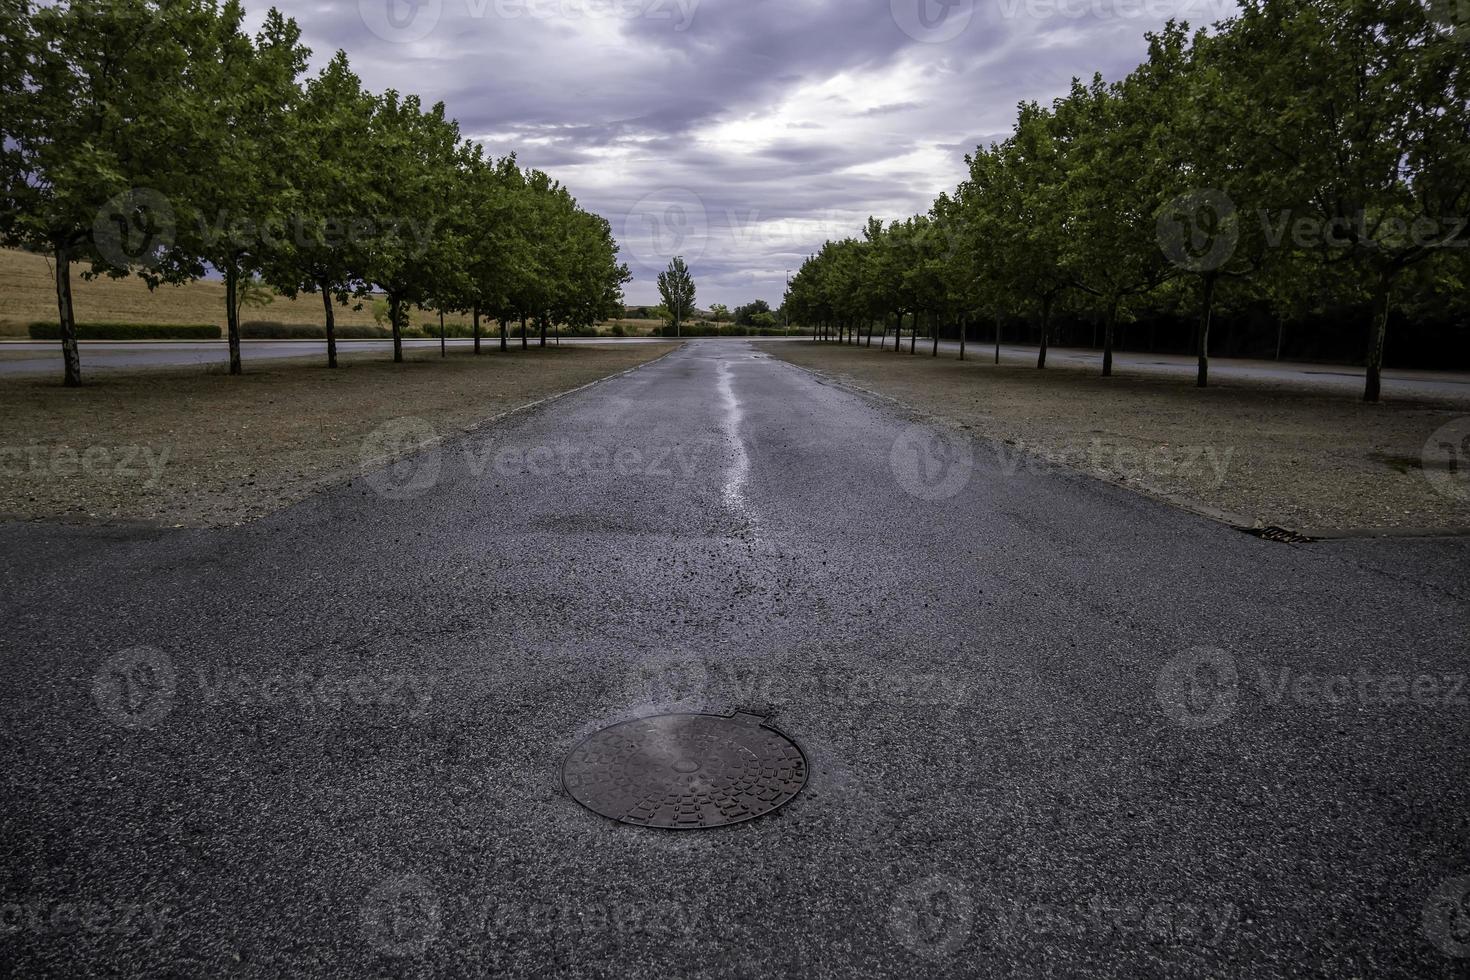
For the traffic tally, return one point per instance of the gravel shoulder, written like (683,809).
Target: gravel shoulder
(1264,454)
(191,448)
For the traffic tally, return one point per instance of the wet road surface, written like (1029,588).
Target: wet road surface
(1053,728)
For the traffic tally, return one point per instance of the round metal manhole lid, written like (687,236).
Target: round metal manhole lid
(685,771)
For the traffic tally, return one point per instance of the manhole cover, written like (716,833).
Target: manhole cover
(685,771)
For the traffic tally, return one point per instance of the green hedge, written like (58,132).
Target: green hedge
(273,330)
(129,331)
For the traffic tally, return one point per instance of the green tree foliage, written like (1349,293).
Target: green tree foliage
(239,198)
(1303,149)
(154,137)
(676,288)
(333,204)
(96,100)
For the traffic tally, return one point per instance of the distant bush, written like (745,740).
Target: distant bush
(129,331)
(430,328)
(271,330)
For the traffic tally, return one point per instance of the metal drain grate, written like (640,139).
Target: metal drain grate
(685,771)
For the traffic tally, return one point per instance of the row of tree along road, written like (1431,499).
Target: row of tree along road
(155,137)
(1301,155)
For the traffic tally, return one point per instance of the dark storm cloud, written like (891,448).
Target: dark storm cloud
(741,133)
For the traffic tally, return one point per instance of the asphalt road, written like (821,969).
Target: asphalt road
(329,742)
(45,358)
(1400,382)
(41,357)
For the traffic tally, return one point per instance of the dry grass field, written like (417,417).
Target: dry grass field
(28,294)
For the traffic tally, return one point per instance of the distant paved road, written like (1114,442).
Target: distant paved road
(1403,382)
(1054,728)
(105,355)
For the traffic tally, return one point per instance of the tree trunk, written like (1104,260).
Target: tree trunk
(475,326)
(1207,307)
(443,343)
(914,337)
(524,343)
(870,333)
(331,324)
(232,315)
(898,334)
(1280,335)
(1373,385)
(1046,302)
(541,323)
(1108,338)
(70,354)
(504,335)
(999,319)
(934,329)
(394,309)
(964,329)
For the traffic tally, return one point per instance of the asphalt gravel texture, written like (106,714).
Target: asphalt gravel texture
(1053,728)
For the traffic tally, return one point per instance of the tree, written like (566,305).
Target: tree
(1361,113)
(1015,211)
(676,288)
(239,200)
(333,198)
(494,244)
(96,101)
(1113,192)
(417,155)
(719,312)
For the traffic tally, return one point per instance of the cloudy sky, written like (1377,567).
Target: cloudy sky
(739,133)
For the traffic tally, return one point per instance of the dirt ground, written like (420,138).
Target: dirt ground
(185,447)
(1257,454)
